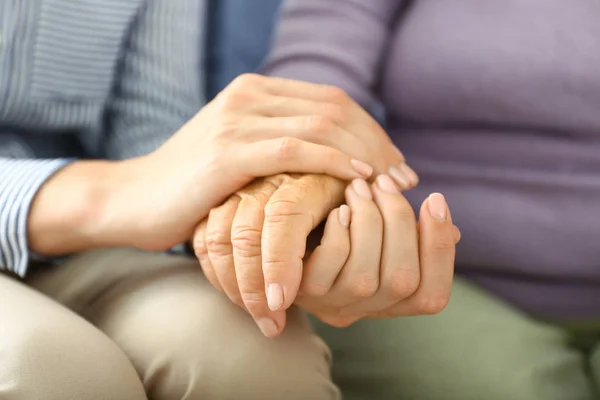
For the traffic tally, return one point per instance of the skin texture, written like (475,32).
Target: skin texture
(374,259)
(256,127)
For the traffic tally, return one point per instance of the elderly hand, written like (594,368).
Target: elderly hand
(252,247)
(374,261)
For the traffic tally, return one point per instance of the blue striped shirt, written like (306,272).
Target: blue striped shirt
(88,79)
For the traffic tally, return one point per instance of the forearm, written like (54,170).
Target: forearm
(69,212)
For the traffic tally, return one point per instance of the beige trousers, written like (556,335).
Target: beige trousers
(130,325)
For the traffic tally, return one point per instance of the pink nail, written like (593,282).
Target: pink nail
(344,216)
(438,208)
(399,177)
(410,174)
(386,184)
(268,327)
(362,168)
(362,189)
(275,296)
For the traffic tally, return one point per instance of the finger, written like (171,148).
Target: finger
(404,176)
(359,278)
(220,249)
(246,241)
(437,251)
(201,252)
(400,270)
(279,86)
(457,234)
(286,154)
(328,259)
(328,94)
(291,214)
(307,125)
(369,131)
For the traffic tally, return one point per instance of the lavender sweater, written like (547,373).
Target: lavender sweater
(497,105)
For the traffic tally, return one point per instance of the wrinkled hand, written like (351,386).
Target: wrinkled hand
(253,246)
(375,261)
(257,239)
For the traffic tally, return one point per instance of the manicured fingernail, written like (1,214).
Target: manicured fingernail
(410,173)
(438,207)
(362,168)
(386,184)
(362,189)
(399,177)
(268,327)
(344,216)
(275,296)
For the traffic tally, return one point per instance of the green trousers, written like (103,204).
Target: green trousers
(479,348)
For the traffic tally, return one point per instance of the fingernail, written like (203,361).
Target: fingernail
(410,174)
(275,296)
(362,168)
(386,184)
(362,189)
(399,177)
(344,216)
(268,327)
(438,207)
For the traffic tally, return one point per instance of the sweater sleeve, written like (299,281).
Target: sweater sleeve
(160,86)
(20,180)
(337,42)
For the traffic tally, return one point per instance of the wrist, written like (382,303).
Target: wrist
(70,212)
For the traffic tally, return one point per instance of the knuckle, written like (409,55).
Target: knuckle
(363,286)
(246,241)
(286,148)
(234,100)
(432,305)
(319,124)
(245,81)
(279,210)
(444,246)
(403,283)
(335,113)
(336,95)
(253,300)
(218,242)
(200,248)
(275,266)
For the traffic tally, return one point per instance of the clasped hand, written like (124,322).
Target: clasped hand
(374,259)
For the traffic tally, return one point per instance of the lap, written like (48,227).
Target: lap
(479,347)
(183,337)
(48,352)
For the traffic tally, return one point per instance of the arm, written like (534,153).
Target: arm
(161,84)
(336,42)
(54,207)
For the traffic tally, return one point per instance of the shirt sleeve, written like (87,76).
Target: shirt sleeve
(20,180)
(336,42)
(161,84)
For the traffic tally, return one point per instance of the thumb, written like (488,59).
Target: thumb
(292,213)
